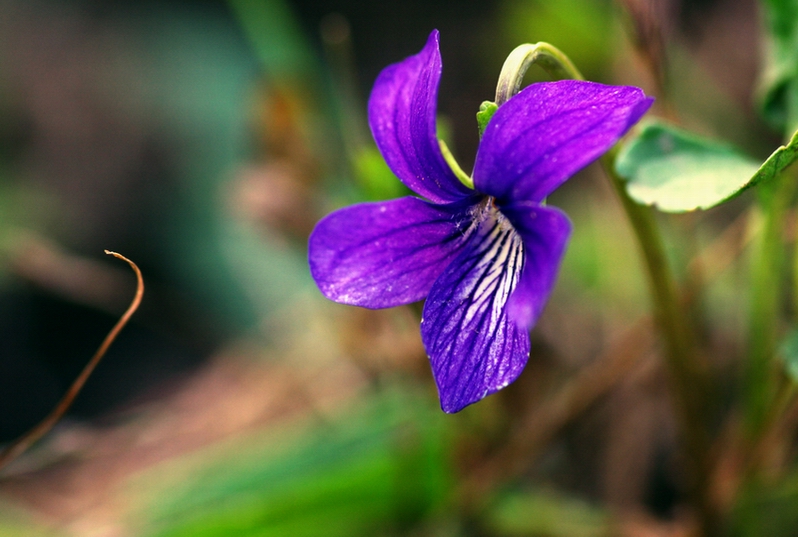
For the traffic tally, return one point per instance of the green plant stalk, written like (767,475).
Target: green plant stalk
(688,373)
(689,376)
(766,293)
(759,374)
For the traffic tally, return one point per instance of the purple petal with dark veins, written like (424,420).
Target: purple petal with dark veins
(379,255)
(548,132)
(402,110)
(544,232)
(474,348)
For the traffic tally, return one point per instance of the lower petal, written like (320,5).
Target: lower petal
(544,232)
(379,255)
(474,347)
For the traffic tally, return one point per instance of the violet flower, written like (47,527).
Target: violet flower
(486,259)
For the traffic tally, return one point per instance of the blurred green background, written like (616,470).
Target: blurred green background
(203,140)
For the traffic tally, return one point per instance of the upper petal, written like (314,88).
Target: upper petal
(544,232)
(402,110)
(473,346)
(384,254)
(548,132)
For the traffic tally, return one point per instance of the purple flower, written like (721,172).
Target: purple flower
(486,259)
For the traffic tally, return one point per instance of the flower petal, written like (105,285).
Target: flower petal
(379,255)
(474,348)
(548,132)
(544,232)
(402,110)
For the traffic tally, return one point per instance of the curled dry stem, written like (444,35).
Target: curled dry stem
(21,444)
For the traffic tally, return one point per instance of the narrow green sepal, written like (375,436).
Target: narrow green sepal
(486,111)
(458,171)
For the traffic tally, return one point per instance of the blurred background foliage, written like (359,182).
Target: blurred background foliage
(203,139)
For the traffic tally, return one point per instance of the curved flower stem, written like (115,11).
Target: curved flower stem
(549,57)
(690,382)
(15,449)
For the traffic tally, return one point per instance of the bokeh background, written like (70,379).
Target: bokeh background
(203,140)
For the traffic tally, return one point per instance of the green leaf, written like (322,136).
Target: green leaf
(678,171)
(777,161)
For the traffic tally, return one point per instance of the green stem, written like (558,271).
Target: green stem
(690,382)
(765,305)
(689,376)
(767,288)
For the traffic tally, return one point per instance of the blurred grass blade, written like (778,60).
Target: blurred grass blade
(383,465)
(275,36)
